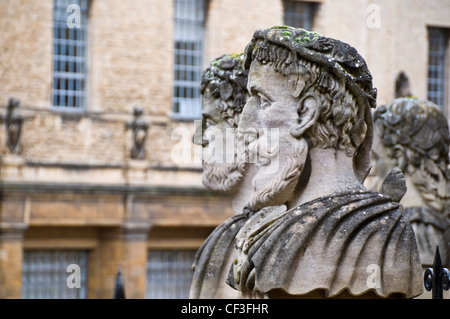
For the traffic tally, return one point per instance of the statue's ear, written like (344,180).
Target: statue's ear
(308,113)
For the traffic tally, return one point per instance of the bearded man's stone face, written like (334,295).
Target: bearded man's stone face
(381,161)
(221,169)
(271,116)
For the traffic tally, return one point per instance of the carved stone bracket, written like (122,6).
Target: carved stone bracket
(139,129)
(13,126)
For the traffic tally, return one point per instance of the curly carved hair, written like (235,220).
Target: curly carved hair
(420,130)
(227,81)
(339,125)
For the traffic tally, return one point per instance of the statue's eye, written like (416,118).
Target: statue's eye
(263,101)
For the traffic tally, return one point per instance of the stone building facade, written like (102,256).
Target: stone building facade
(73,184)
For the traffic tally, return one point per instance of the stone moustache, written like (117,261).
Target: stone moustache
(315,230)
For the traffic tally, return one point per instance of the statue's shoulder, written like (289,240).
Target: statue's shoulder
(350,199)
(349,230)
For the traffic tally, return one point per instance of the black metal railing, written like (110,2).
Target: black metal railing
(437,278)
(119,290)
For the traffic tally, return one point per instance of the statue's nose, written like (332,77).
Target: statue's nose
(198,132)
(249,117)
(197,138)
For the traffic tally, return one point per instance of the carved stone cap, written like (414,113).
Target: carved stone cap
(227,80)
(404,118)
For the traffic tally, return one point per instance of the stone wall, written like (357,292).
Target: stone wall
(130,64)
(50,138)
(131,56)
(25,57)
(400,43)
(231,23)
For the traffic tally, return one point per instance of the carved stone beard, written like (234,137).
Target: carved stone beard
(277,187)
(433,190)
(221,177)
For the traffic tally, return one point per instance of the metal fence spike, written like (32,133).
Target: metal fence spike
(119,290)
(437,279)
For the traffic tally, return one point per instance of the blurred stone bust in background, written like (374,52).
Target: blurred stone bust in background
(224,94)
(413,135)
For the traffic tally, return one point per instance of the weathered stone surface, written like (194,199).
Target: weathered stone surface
(26,37)
(316,93)
(413,135)
(394,185)
(131,63)
(48,138)
(224,96)
(329,244)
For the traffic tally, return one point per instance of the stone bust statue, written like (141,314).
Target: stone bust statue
(315,230)
(13,126)
(413,135)
(224,94)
